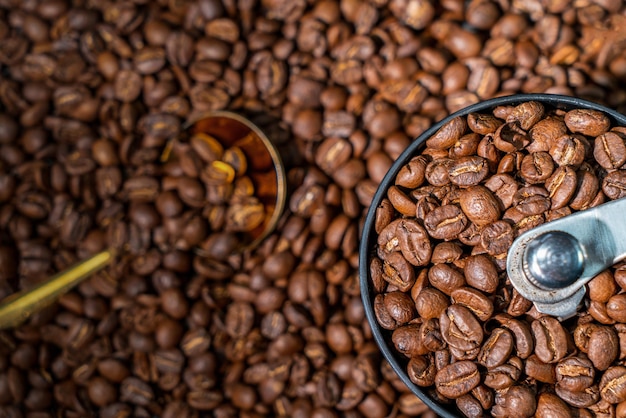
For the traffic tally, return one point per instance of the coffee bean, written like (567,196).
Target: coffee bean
(445,278)
(445,222)
(612,386)
(496,348)
(497,237)
(413,242)
(609,150)
(474,300)
(580,399)
(551,339)
(468,171)
(603,347)
(406,340)
(480,205)
(539,370)
(400,307)
(481,273)
(505,375)
(587,122)
(430,303)
(457,379)
(460,328)
(518,400)
(613,184)
(412,174)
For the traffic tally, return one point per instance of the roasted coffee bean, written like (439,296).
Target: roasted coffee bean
(497,237)
(413,242)
(398,272)
(614,184)
(575,373)
(537,369)
(496,349)
(505,375)
(421,371)
(474,300)
(587,122)
(615,307)
(445,222)
(406,340)
(582,399)
(468,171)
(609,150)
(613,385)
(481,273)
(412,174)
(448,134)
(438,171)
(430,303)
(445,278)
(400,307)
(479,205)
(518,400)
(603,347)
(551,339)
(400,201)
(457,379)
(460,328)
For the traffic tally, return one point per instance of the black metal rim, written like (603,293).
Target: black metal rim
(396,361)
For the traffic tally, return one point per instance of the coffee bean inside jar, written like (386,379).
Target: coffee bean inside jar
(452,226)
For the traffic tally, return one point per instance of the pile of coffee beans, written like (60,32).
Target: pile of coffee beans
(439,272)
(91,91)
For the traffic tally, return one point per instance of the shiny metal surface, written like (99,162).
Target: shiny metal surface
(550,265)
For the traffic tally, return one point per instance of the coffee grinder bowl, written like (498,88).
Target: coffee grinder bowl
(369,236)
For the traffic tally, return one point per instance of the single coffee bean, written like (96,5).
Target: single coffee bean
(445,222)
(496,349)
(400,201)
(448,134)
(412,174)
(406,340)
(474,300)
(398,271)
(400,306)
(497,237)
(551,339)
(430,303)
(582,399)
(479,205)
(519,401)
(603,347)
(468,171)
(413,242)
(460,329)
(537,369)
(613,385)
(505,375)
(587,122)
(481,273)
(421,371)
(614,184)
(550,405)
(457,379)
(445,278)
(609,150)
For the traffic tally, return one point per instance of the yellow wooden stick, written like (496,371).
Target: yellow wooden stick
(16,308)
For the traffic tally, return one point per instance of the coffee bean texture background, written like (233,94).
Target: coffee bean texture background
(180,325)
